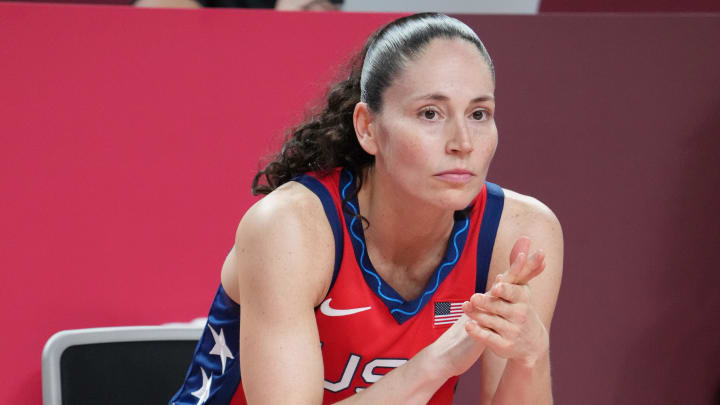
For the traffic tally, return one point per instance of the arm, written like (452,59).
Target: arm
(284,259)
(513,319)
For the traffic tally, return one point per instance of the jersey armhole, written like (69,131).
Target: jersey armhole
(488,230)
(331,213)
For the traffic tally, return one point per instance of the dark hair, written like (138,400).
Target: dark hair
(327,139)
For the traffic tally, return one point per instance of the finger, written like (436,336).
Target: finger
(512,293)
(534,266)
(491,339)
(493,305)
(512,275)
(516,313)
(522,245)
(497,324)
(470,311)
(530,269)
(538,269)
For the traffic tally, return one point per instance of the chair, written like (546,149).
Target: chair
(118,365)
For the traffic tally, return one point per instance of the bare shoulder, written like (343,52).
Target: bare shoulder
(523,213)
(284,239)
(527,216)
(292,202)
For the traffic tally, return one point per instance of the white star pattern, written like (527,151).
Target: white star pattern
(204,392)
(220,348)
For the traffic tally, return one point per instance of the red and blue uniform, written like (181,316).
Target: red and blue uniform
(366,328)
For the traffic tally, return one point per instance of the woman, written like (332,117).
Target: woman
(380,249)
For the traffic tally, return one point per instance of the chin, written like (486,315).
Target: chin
(457,200)
(457,197)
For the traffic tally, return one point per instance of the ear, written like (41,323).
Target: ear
(365,128)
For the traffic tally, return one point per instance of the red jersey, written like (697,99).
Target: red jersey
(366,328)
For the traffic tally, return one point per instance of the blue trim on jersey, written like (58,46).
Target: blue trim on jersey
(400,309)
(331,213)
(224,319)
(359,239)
(488,230)
(439,271)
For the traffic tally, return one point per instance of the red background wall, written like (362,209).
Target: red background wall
(128,139)
(554,6)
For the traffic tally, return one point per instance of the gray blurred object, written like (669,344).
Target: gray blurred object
(117,365)
(447,6)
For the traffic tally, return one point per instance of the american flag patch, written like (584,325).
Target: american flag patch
(447,312)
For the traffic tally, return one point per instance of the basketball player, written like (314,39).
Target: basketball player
(381,264)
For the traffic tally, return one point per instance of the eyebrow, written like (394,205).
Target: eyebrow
(442,97)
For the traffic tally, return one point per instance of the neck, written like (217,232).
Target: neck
(404,233)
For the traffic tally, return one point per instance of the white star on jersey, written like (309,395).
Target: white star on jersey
(220,348)
(204,392)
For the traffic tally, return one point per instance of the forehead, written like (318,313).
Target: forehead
(453,67)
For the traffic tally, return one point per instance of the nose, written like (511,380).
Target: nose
(459,141)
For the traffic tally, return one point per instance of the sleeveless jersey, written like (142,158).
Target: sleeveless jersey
(366,328)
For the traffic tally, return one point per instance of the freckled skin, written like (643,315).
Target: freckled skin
(417,137)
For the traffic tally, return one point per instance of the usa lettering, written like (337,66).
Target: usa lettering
(369,372)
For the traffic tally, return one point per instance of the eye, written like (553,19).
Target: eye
(480,115)
(429,114)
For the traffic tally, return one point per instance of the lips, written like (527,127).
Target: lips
(456,175)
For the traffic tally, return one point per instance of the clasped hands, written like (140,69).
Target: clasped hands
(503,318)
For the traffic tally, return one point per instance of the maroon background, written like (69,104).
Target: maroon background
(614,122)
(128,139)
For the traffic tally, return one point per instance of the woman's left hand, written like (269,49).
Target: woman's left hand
(504,319)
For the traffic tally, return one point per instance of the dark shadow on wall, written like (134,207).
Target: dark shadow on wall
(676,359)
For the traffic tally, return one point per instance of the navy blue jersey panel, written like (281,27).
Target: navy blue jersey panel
(214,374)
(488,230)
(326,199)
